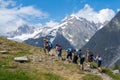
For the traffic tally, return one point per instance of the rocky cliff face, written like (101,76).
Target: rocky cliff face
(106,42)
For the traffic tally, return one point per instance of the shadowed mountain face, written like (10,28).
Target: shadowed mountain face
(106,42)
(59,39)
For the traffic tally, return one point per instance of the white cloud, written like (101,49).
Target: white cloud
(6,3)
(51,23)
(105,14)
(91,15)
(13,15)
(82,1)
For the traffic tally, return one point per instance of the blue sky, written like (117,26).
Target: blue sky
(41,12)
(58,9)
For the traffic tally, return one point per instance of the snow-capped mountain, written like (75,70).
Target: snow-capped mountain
(23,29)
(22,33)
(73,30)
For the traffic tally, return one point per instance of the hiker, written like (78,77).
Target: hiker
(75,58)
(46,40)
(87,54)
(99,60)
(90,58)
(69,54)
(82,59)
(59,51)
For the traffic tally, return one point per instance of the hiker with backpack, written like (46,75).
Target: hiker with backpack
(46,48)
(82,59)
(87,54)
(59,51)
(69,54)
(99,60)
(75,58)
(90,58)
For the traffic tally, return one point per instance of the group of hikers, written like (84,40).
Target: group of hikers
(73,55)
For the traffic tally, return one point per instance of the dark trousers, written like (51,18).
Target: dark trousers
(59,55)
(82,60)
(75,59)
(99,63)
(69,55)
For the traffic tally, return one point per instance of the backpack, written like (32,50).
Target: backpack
(50,44)
(79,54)
(75,53)
(69,50)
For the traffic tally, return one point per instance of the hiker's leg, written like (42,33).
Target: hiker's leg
(47,50)
(67,57)
(82,67)
(76,60)
(83,59)
(60,56)
(99,63)
(44,50)
(80,64)
(71,57)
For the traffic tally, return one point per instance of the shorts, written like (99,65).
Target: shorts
(69,55)
(82,60)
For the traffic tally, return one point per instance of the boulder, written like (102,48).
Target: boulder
(21,59)
(4,52)
(116,71)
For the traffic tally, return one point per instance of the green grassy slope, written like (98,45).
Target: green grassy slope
(40,67)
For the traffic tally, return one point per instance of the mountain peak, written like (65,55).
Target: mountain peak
(73,17)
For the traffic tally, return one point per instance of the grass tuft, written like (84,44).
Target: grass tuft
(110,73)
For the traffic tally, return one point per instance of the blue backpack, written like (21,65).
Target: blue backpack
(69,50)
(79,54)
(50,44)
